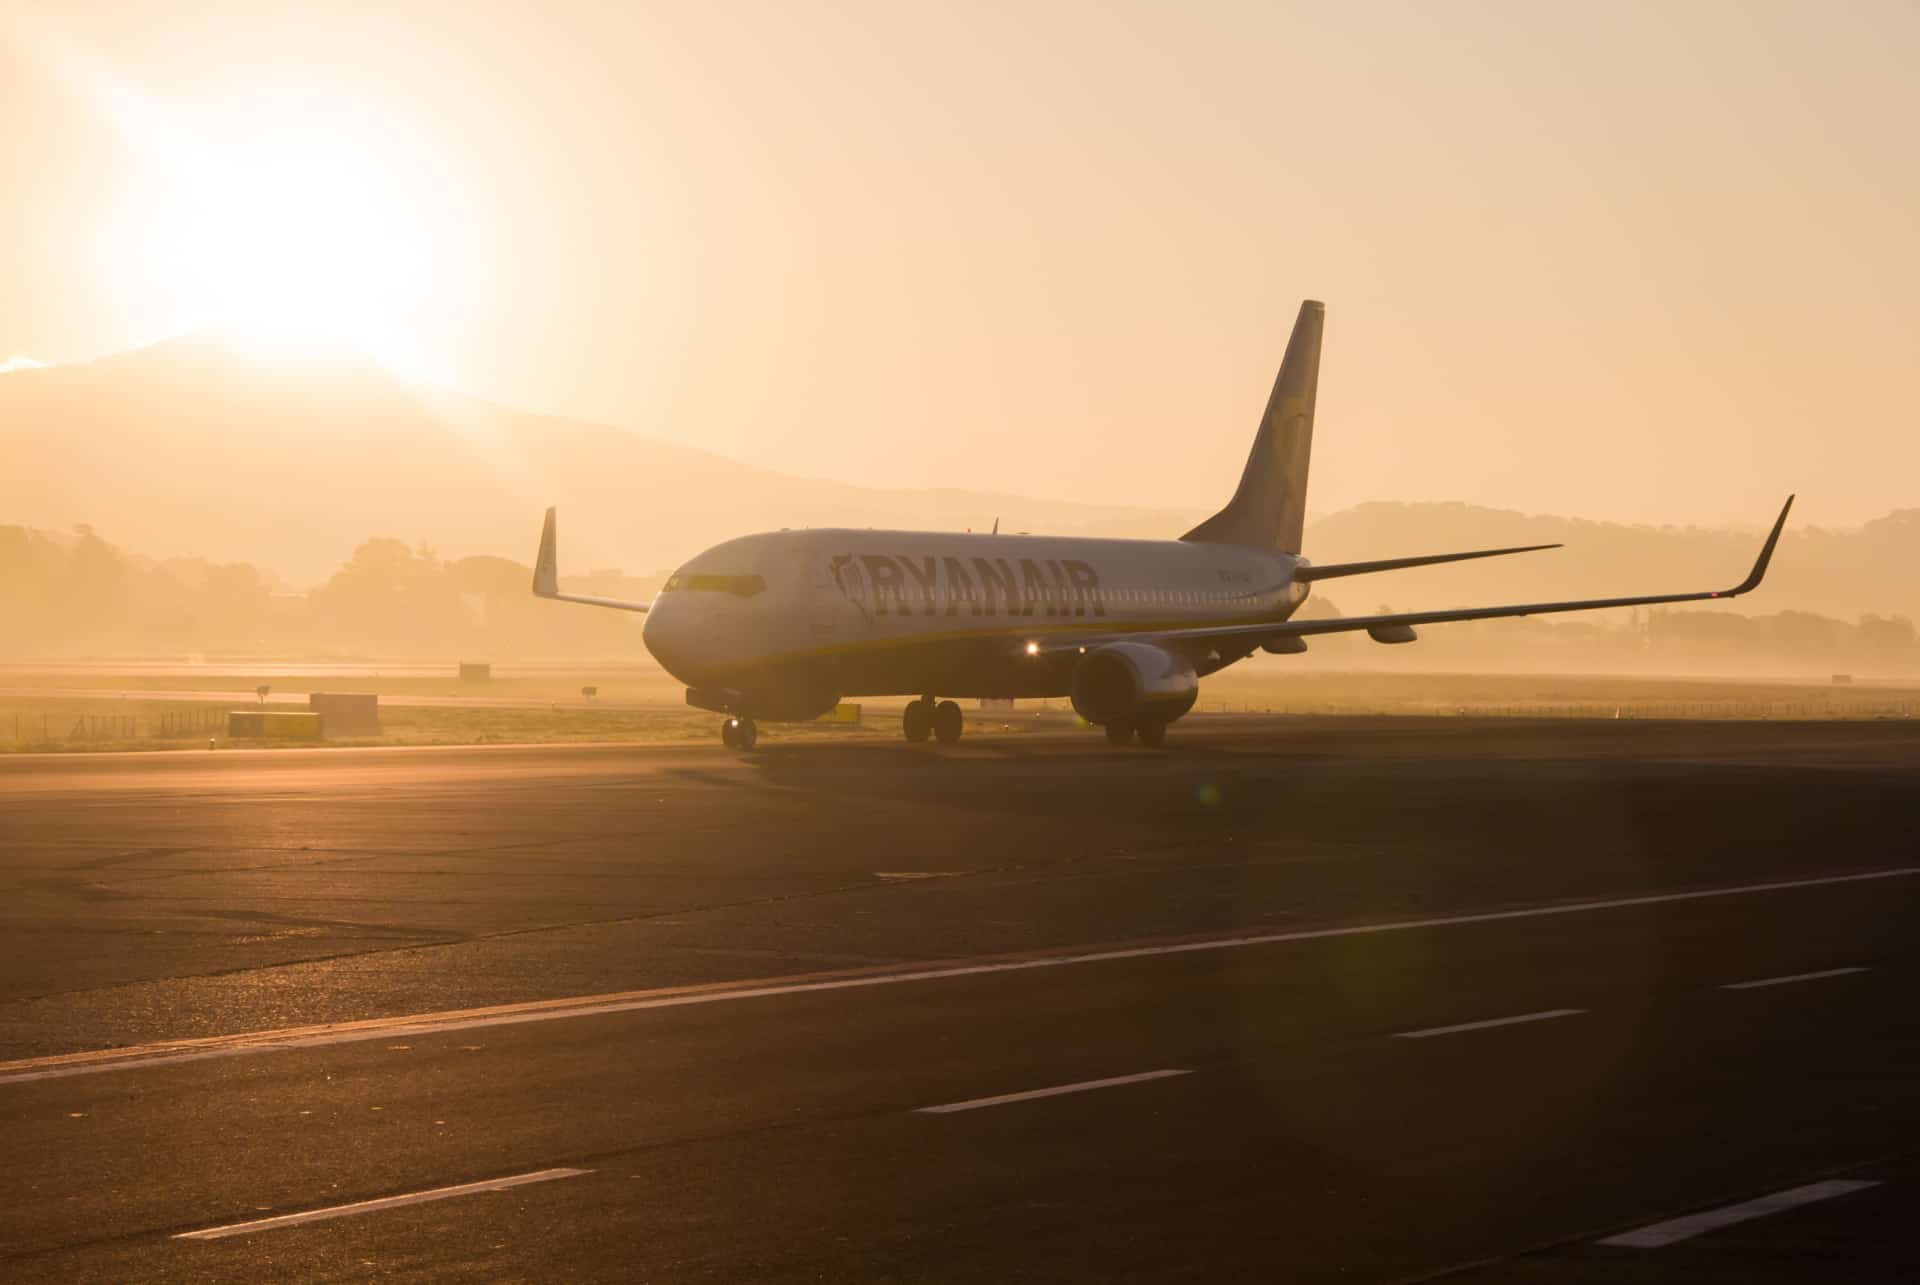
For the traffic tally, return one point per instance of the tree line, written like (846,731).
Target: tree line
(77,594)
(80,595)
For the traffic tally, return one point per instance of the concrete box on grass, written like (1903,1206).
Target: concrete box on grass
(347,713)
(274,724)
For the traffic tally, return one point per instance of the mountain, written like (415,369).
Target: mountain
(192,447)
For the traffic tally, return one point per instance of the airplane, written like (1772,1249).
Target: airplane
(783,625)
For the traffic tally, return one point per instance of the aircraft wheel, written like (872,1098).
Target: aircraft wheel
(1119,732)
(947,722)
(1153,735)
(745,734)
(917,720)
(727,737)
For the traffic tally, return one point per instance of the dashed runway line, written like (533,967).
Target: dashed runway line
(1489,1023)
(1759,982)
(974,1104)
(174,1052)
(373,1206)
(1678,1229)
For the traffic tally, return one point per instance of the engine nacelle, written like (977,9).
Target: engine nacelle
(1133,680)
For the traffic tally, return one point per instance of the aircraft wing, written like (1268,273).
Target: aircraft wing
(1398,627)
(546,576)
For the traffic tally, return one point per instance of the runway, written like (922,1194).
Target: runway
(1365,1000)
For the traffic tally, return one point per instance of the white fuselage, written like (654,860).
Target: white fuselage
(798,619)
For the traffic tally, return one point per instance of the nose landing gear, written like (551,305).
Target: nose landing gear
(1152,734)
(739,734)
(926,717)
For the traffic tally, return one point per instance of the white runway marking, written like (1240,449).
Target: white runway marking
(199,1050)
(975,1103)
(1490,1022)
(1675,1229)
(372,1206)
(369,1207)
(1792,977)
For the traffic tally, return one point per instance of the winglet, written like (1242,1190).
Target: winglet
(1766,555)
(546,568)
(546,576)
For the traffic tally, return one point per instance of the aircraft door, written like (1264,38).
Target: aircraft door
(824,603)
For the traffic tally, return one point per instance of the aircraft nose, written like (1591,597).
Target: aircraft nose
(668,633)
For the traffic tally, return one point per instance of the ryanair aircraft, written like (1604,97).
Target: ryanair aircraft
(781,626)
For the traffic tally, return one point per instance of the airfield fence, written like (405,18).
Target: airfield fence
(44,727)
(176,723)
(105,727)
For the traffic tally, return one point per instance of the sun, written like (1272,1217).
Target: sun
(292,210)
(293,236)
(293,225)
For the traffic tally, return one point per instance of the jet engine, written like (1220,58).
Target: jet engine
(1133,682)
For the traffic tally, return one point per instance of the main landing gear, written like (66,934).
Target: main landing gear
(926,717)
(739,733)
(1152,733)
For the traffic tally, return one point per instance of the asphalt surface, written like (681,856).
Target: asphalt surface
(703,1002)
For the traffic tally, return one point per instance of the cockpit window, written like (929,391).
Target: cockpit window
(740,586)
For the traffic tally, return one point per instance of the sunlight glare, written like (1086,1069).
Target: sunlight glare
(304,232)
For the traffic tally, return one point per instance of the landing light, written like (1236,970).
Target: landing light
(1033,649)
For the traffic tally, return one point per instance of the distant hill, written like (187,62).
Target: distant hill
(190,449)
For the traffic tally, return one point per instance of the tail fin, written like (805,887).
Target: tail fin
(1270,508)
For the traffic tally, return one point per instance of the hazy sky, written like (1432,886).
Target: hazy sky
(1643,261)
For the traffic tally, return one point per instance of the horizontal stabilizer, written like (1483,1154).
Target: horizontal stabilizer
(1310,572)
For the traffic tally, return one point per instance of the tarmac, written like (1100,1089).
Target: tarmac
(1292,999)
